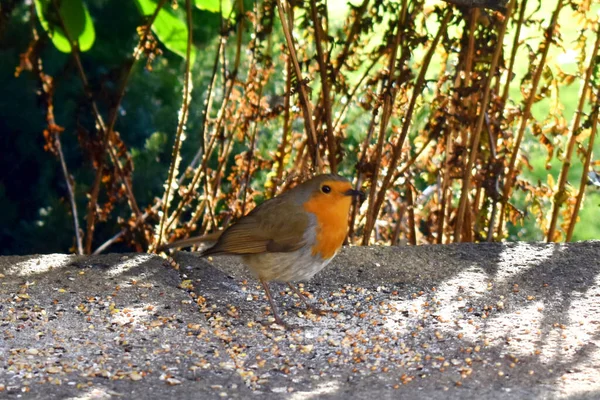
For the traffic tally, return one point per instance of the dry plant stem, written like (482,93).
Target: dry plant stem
(227,96)
(345,106)
(513,54)
(309,124)
(286,128)
(91,209)
(354,31)
(96,112)
(586,167)
(205,151)
(47,90)
(359,176)
(136,55)
(397,146)
(491,4)
(444,202)
(206,113)
(463,133)
(412,236)
(326,94)
(561,193)
(493,158)
(91,216)
(207,107)
(469,61)
(398,227)
(123,231)
(246,179)
(71,192)
(388,101)
(183,114)
(474,145)
(510,176)
(411,162)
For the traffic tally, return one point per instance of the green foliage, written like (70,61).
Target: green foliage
(76,19)
(215,6)
(171,30)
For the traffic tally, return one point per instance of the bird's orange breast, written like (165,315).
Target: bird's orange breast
(332,223)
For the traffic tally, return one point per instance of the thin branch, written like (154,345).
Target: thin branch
(389,96)
(205,151)
(397,146)
(101,126)
(53,132)
(412,237)
(71,193)
(586,167)
(323,63)
(95,191)
(499,5)
(354,31)
(474,146)
(526,114)
(179,138)
(560,196)
(513,53)
(287,126)
(309,124)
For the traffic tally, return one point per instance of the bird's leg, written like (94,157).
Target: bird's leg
(303,298)
(273,309)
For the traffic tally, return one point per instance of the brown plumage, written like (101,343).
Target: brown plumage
(290,237)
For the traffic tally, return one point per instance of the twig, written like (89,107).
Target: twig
(412,237)
(53,133)
(95,191)
(354,31)
(323,63)
(561,195)
(96,112)
(526,114)
(71,192)
(354,90)
(586,167)
(491,4)
(474,145)
(397,146)
(513,53)
(183,114)
(206,150)
(309,124)
(286,124)
(389,96)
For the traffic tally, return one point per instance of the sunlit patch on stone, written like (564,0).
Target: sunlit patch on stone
(128,264)
(325,388)
(38,265)
(519,257)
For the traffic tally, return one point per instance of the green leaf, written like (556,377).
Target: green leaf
(76,18)
(215,6)
(170,30)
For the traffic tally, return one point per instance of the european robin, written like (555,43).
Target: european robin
(290,237)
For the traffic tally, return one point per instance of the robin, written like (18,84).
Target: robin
(290,237)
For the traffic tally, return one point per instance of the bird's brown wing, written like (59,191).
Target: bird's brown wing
(274,226)
(191,241)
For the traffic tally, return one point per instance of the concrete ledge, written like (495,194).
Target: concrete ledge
(494,321)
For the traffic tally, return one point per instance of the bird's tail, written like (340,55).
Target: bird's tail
(211,237)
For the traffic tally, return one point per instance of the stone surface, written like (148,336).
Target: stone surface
(494,321)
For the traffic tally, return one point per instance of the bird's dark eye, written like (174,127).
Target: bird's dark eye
(325,189)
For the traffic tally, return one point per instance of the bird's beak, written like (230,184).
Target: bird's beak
(355,193)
